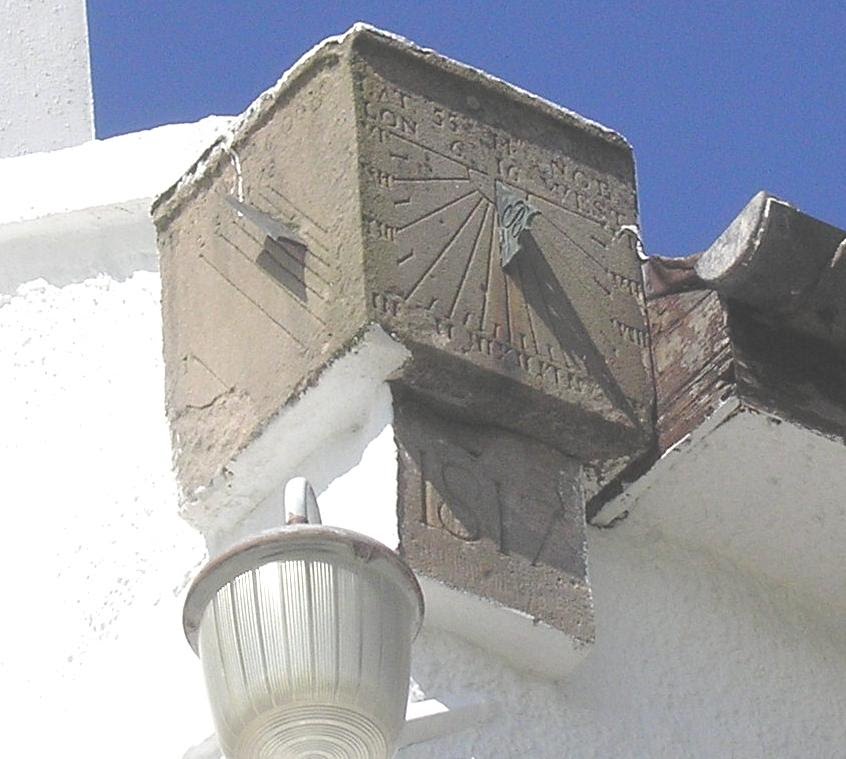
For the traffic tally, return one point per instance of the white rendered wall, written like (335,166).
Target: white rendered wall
(45,77)
(95,558)
(693,658)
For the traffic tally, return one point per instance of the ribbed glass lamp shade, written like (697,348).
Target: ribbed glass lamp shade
(305,640)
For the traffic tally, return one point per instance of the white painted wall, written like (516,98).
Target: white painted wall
(694,658)
(764,492)
(45,77)
(102,172)
(95,558)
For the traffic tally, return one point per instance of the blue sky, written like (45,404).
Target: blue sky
(719,99)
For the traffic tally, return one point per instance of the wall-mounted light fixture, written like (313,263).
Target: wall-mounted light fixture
(305,635)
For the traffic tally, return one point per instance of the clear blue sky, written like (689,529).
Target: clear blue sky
(720,99)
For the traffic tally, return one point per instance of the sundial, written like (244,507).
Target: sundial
(388,214)
(512,237)
(491,233)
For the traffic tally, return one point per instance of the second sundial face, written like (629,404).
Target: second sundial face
(503,236)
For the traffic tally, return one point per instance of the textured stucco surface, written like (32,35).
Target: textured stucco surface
(95,556)
(45,79)
(693,658)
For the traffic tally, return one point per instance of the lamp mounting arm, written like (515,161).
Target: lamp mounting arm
(300,502)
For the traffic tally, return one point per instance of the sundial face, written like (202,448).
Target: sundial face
(505,238)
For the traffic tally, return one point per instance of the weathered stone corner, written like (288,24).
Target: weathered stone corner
(492,235)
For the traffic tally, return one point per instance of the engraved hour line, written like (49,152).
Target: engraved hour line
(278,210)
(208,369)
(294,300)
(524,282)
(299,210)
(609,272)
(571,366)
(491,254)
(403,259)
(446,247)
(290,255)
(606,290)
(587,253)
(553,315)
(430,214)
(463,280)
(591,258)
(596,368)
(575,212)
(299,279)
(519,273)
(257,305)
(505,279)
(468,167)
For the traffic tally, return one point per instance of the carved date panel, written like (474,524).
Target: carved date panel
(493,513)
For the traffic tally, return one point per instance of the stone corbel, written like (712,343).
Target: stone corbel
(340,287)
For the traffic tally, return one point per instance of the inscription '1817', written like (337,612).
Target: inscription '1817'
(437,513)
(471,505)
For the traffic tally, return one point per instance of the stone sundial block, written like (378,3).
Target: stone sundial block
(491,233)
